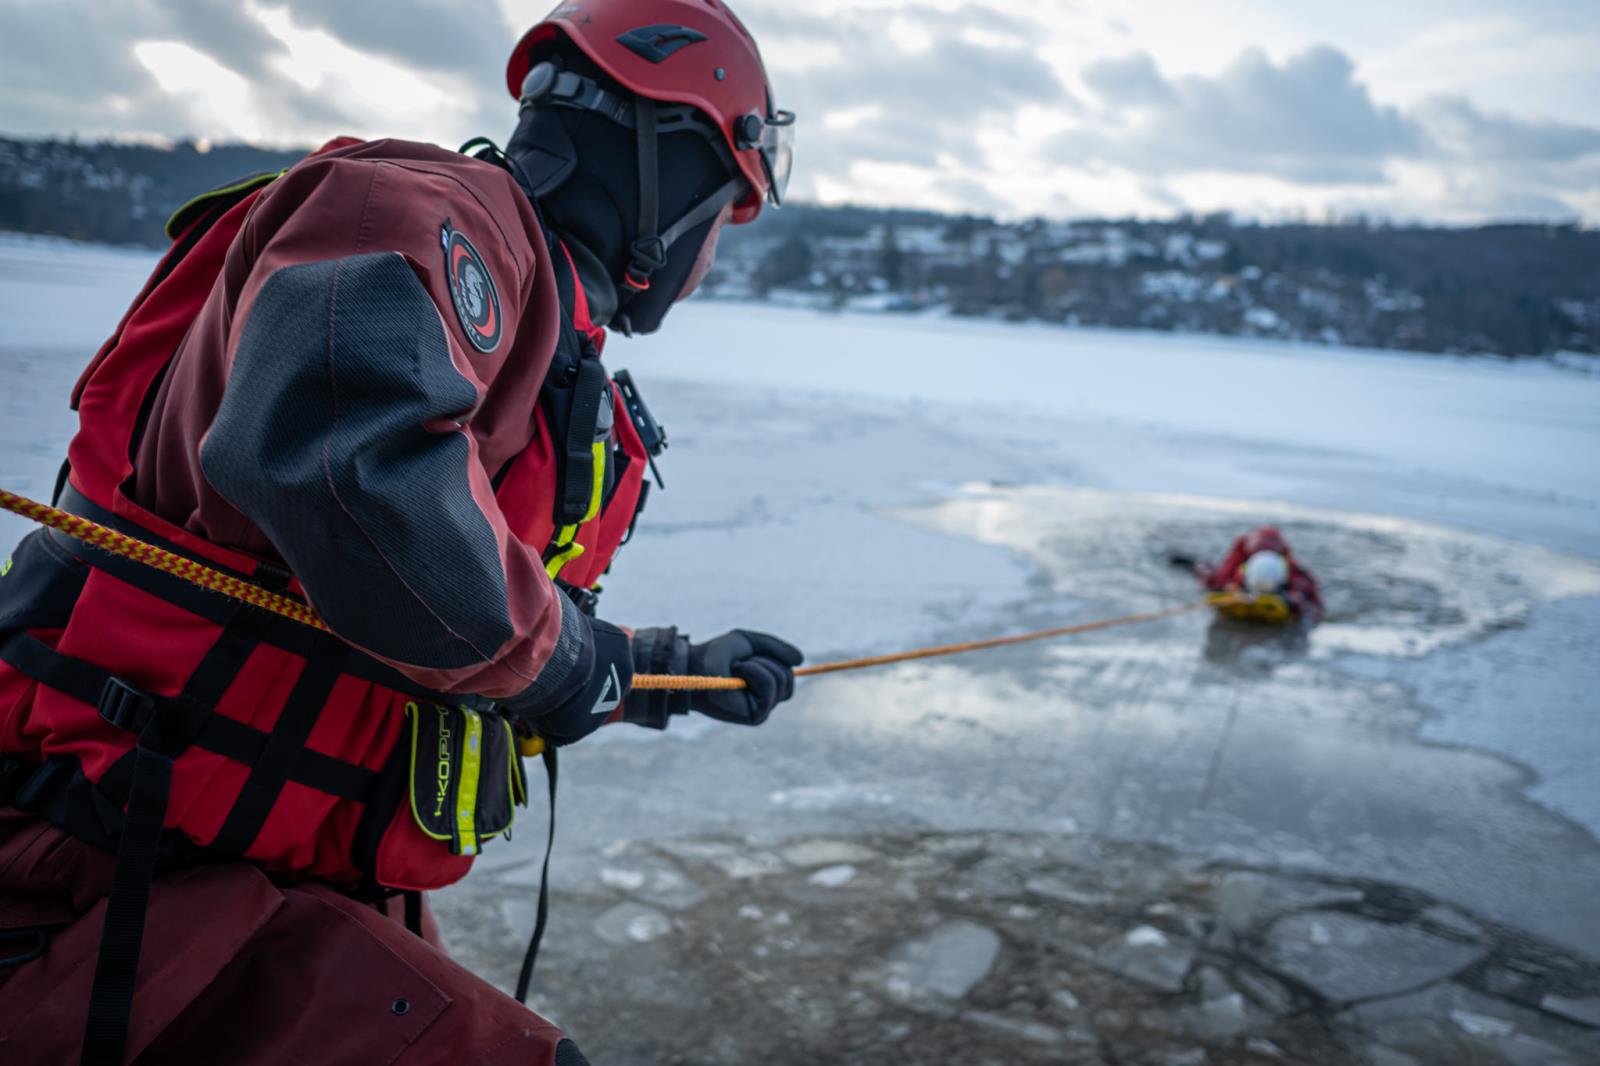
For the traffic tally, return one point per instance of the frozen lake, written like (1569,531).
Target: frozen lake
(865,484)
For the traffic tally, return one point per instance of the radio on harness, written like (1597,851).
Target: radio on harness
(651,433)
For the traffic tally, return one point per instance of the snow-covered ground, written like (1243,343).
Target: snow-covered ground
(865,484)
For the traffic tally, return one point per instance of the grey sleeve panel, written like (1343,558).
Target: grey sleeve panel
(320,442)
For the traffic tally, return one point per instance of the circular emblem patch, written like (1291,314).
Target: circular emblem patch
(472,291)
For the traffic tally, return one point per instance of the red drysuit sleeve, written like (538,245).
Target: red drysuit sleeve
(1227,574)
(384,303)
(1305,594)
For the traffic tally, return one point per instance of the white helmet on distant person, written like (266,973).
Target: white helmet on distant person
(1266,572)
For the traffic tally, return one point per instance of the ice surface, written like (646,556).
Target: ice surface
(833,876)
(866,484)
(947,962)
(1528,430)
(60,294)
(1149,956)
(1370,958)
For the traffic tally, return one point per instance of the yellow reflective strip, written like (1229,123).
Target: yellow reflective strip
(556,565)
(519,786)
(598,495)
(467,793)
(5,568)
(562,558)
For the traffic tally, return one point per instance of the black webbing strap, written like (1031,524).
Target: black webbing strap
(649,167)
(213,732)
(413,902)
(704,212)
(648,253)
(525,978)
(105,1034)
(285,745)
(161,739)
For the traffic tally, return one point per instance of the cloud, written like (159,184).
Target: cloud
(1307,120)
(70,65)
(1133,80)
(1310,124)
(917,86)
(219,28)
(48,64)
(464,37)
(1457,127)
(1013,106)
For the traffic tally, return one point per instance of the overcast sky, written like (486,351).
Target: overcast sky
(1448,110)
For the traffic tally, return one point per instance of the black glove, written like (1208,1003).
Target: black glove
(764,663)
(594,688)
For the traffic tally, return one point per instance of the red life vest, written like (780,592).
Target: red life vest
(276,743)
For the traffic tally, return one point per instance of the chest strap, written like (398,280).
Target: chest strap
(186,720)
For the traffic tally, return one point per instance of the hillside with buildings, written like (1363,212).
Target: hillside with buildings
(1511,290)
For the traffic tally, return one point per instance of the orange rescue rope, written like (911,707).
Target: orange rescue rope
(205,577)
(107,539)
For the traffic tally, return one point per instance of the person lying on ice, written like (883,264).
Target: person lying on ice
(1262,572)
(373,382)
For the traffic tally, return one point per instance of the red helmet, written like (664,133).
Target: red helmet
(693,52)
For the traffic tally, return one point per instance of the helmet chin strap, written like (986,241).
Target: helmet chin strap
(649,252)
(649,249)
(702,212)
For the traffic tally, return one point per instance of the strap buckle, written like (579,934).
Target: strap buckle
(128,708)
(649,254)
(585,600)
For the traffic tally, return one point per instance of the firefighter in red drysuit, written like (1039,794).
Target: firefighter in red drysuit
(374,383)
(1261,564)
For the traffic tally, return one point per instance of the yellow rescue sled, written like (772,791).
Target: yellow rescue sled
(1268,610)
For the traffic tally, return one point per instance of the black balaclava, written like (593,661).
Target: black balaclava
(582,170)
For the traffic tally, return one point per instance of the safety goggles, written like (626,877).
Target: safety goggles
(773,137)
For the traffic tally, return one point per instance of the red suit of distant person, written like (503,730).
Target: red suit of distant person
(1299,590)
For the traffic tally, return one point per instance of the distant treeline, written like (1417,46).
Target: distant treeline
(1509,289)
(115,193)
(1512,289)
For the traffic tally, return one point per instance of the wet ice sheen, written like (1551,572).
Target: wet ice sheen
(1348,958)
(947,962)
(632,923)
(1149,956)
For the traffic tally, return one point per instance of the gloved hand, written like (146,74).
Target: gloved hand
(594,688)
(765,664)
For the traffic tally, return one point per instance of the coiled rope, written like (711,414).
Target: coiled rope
(202,576)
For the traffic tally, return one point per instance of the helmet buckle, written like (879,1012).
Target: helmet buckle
(649,255)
